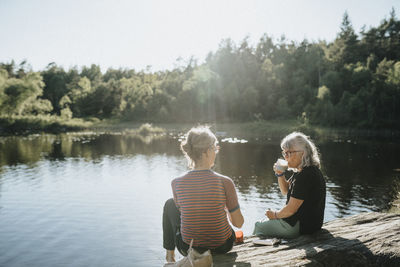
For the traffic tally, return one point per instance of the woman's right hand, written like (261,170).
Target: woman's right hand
(278,172)
(283,184)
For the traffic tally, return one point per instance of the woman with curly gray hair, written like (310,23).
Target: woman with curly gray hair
(305,191)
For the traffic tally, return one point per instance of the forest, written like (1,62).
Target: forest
(353,81)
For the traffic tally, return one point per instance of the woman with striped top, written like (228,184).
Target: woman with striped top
(202,202)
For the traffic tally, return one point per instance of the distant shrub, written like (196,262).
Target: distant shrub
(147,128)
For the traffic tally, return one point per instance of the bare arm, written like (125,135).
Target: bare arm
(287,211)
(283,185)
(236,218)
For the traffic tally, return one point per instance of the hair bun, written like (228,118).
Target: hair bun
(186,147)
(196,142)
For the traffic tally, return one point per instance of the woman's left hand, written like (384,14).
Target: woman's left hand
(270,214)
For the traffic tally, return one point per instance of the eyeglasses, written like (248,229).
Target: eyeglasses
(289,153)
(216,148)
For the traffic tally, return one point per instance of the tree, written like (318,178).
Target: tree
(383,41)
(20,94)
(78,93)
(56,80)
(64,104)
(265,49)
(198,96)
(93,74)
(37,107)
(3,84)
(345,48)
(393,75)
(333,81)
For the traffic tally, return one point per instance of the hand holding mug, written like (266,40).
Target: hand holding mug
(280,166)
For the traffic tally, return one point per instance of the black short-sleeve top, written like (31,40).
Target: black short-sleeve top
(308,185)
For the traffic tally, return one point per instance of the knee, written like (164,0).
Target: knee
(257,224)
(170,203)
(260,227)
(256,227)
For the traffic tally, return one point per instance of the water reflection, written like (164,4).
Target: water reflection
(362,174)
(97,198)
(359,175)
(28,150)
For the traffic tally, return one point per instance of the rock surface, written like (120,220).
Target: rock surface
(367,239)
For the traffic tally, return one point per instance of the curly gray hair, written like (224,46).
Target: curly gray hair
(300,141)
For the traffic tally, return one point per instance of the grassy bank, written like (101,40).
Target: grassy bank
(261,129)
(279,129)
(44,123)
(257,129)
(21,125)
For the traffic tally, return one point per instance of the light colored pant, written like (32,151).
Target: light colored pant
(276,228)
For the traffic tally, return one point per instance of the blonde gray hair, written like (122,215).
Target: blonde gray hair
(197,141)
(301,142)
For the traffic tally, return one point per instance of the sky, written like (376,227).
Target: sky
(163,34)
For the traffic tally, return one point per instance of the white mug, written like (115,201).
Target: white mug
(281,165)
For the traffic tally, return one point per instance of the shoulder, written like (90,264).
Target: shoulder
(310,170)
(230,190)
(310,173)
(223,178)
(307,173)
(179,178)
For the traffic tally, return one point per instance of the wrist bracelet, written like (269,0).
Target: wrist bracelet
(280,175)
(276,217)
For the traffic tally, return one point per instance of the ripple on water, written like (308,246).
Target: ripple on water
(105,208)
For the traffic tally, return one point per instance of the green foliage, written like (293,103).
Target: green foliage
(66,113)
(65,101)
(40,106)
(56,82)
(93,74)
(393,75)
(353,81)
(331,79)
(20,96)
(323,93)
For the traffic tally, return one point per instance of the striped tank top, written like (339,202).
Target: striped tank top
(201,197)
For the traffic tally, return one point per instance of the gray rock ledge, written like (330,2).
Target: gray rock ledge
(366,239)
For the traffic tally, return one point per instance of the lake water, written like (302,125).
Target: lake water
(97,199)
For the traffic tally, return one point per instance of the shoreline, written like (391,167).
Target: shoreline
(14,126)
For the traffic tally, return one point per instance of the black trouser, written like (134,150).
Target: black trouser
(172,235)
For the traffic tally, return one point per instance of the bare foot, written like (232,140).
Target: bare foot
(170,256)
